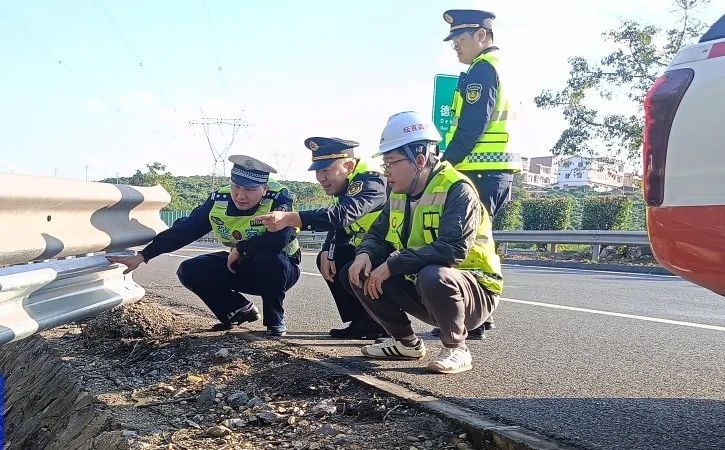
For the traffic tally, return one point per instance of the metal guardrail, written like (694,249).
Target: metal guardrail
(311,240)
(40,296)
(595,238)
(45,218)
(590,237)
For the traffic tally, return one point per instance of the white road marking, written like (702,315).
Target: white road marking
(572,308)
(566,269)
(614,314)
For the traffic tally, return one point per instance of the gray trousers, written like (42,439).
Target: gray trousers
(445,297)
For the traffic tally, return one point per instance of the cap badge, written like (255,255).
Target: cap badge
(313,145)
(448,18)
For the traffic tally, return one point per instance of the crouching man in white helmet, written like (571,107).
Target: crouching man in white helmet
(431,249)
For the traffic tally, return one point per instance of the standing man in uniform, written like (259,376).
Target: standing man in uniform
(359,194)
(258,262)
(477,141)
(430,254)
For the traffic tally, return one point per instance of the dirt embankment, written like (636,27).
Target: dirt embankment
(146,377)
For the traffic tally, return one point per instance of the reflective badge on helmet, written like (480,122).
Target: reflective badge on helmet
(473,93)
(354,188)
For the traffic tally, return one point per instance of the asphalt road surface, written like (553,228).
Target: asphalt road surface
(590,359)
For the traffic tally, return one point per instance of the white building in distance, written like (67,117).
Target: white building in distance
(601,174)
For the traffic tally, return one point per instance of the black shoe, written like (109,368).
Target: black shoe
(358,330)
(489,324)
(276,331)
(222,327)
(474,334)
(246,316)
(477,334)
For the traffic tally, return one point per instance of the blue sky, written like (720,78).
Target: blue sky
(112,84)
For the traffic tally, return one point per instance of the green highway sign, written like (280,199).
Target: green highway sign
(443,88)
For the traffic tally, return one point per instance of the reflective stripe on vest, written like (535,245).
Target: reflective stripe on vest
(229,230)
(482,260)
(491,152)
(361,226)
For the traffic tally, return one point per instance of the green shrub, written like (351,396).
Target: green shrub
(606,213)
(509,218)
(541,213)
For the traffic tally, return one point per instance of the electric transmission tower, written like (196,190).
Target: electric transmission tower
(220,155)
(283,163)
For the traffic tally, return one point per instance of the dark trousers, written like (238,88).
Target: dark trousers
(445,297)
(494,188)
(268,276)
(348,305)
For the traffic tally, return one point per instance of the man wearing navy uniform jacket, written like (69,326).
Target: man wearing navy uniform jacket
(259,262)
(358,194)
(477,143)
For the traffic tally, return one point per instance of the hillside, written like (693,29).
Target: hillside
(187,192)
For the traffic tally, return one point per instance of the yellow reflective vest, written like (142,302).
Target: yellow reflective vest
(491,152)
(361,226)
(231,229)
(482,259)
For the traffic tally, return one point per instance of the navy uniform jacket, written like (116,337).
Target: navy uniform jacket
(347,210)
(474,116)
(188,229)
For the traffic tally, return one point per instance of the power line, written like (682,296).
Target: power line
(215,53)
(60,62)
(134,53)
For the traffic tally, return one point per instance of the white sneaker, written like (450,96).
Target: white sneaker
(452,360)
(392,349)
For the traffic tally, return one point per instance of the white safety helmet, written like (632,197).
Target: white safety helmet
(405,128)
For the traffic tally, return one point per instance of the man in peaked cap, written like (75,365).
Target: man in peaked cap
(258,262)
(359,194)
(477,142)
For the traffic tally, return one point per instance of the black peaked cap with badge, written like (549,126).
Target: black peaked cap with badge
(364,192)
(326,150)
(463,20)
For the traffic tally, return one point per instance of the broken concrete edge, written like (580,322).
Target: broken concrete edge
(482,431)
(47,407)
(603,267)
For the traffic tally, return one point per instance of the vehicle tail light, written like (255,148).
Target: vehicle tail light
(660,106)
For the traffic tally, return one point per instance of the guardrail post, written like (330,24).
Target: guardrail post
(596,249)
(552,248)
